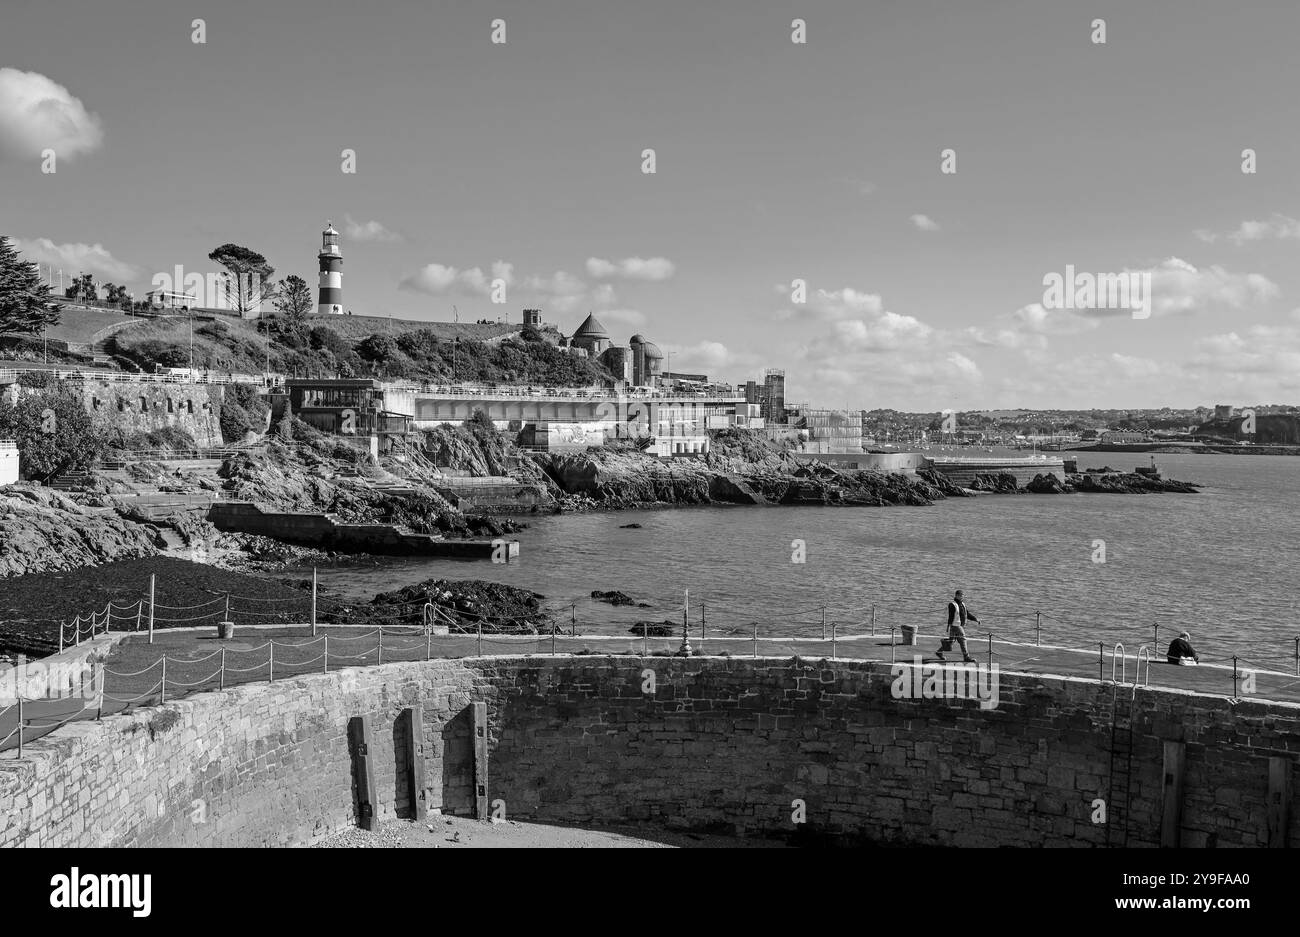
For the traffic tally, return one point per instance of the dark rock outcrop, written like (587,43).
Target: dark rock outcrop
(1130,483)
(997,482)
(501,609)
(1047,484)
(43,530)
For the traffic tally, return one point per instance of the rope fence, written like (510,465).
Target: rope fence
(408,632)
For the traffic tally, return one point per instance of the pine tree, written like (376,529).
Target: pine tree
(25,302)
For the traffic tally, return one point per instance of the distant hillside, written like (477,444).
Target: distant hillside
(1276,429)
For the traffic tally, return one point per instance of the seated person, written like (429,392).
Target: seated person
(1181,650)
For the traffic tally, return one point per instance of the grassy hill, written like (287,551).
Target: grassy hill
(344,346)
(355,328)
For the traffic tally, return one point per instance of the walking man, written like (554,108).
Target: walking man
(958,615)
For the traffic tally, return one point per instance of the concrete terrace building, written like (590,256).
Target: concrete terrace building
(331,273)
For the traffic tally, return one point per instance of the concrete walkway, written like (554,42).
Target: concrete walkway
(194,662)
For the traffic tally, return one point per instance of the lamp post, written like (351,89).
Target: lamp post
(685,649)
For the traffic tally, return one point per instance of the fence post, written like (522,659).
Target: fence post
(313,601)
(163,698)
(1297,656)
(1101,661)
(271,678)
(755,639)
(327,654)
(63,623)
(1234,676)
(990,650)
(645,639)
(152,576)
(222,685)
(701,627)
(834,631)
(1038,633)
(428,643)
(139,612)
(76,638)
(553,630)
(20,726)
(381,644)
(480,637)
(227,618)
(873,621)
(823,622)
(1155,642)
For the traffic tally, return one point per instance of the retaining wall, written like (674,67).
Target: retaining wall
(722,745)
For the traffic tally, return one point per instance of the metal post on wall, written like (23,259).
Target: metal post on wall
(271,678)
(823,622)
(480,637)
(1038,629)
(990,650)
(873,621)
(381,644)
(834,633)
(1101,661)
(222,684)
(313,601)
(327,653)
(163,697)
(755,639)
(892,649)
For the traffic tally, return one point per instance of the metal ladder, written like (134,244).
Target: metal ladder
(1120,780)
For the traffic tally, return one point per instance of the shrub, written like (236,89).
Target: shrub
(36,379)
(53,431)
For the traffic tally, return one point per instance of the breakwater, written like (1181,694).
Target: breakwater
(803,750)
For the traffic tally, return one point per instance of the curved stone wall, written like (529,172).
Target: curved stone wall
(730,745)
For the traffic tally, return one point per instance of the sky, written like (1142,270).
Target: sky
(784,171)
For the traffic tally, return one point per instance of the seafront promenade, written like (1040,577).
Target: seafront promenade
(178,662)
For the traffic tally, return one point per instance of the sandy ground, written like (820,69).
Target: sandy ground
(439,832)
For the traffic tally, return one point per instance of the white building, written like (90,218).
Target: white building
(8,462)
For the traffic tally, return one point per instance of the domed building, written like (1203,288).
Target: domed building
(647,361)
(591,335)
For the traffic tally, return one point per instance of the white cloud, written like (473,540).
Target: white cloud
(77,258)
(925,223)
(832,305)
(503,271)
(1178,286)
(370,231)
(436,279)
(631,268)
(1277,227)
(36,113)
(704,357)
(628,318)
(1039,320)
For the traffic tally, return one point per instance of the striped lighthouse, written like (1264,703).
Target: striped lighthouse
(331,273)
